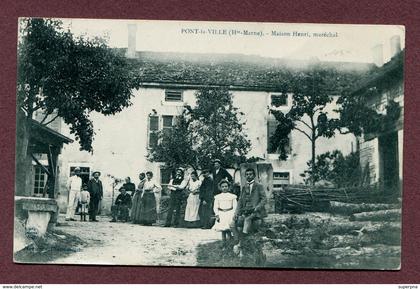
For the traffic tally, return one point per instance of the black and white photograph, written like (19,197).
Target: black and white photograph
(209,144)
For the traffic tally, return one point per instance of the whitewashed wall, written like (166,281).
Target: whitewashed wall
(121,140)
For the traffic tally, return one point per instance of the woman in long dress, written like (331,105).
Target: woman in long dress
(148,213)
(191,217)
(135,209)
(224,209)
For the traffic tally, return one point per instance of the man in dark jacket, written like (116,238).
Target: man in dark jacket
(206,200)
(251,207)
(95,190)
(219,174)
(120,211)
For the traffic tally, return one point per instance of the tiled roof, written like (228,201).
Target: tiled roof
(243,72)
(393,70)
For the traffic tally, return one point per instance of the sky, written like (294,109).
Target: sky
(353,43)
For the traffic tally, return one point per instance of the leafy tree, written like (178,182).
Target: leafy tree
(358,118)
(334,167)
(307,115)
(65,76)
(211,129)
(176,145)
(69,76)
(218,128)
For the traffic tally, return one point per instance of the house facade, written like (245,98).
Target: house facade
(381,152)
(167,82)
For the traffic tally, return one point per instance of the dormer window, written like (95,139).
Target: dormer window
(173,95)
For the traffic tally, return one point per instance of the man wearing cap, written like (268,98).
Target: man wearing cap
(95,190)
(219,174)
(74,186)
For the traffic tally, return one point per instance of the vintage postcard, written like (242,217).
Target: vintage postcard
(209,144)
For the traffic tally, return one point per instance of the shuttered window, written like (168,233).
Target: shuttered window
(271,129)
(153,130)
(173,95)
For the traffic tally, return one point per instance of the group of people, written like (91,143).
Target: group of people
(210,202)
(87,196)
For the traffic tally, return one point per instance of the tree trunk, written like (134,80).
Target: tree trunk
(23,159)
(348,209)
(382,215)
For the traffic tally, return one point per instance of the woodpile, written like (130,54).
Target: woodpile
(351,236)
(299,199)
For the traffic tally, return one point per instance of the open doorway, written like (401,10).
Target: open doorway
(389,163)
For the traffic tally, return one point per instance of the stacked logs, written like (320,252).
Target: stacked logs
(308,199)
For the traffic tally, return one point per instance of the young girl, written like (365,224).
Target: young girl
(224,209)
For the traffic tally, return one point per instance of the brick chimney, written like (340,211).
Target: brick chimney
(132,38)
(395,45)
(378,55)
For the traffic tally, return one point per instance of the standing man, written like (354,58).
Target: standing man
(74,186)
(176,186)
(96,193)
(251,207)
(219,174)
(206,200)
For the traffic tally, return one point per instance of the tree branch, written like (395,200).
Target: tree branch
(54,118)
(45,117)
(305,123)
(304,132)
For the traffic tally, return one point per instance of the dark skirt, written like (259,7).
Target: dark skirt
(135,209)
(148,213)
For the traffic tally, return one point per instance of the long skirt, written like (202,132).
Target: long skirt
(191,210)
(135,208)
(148,214)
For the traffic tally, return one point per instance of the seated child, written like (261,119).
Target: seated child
(224,209)
(84,199)
(120,211)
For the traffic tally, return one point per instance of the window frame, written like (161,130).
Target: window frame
(38,191)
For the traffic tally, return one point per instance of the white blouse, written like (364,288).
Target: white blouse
(194,186)
(224,201)
(152,185)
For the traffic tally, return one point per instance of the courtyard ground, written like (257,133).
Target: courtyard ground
(109,243)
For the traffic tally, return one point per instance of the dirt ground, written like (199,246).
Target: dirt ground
(130,244)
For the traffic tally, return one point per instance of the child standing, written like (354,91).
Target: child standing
(84,199)
(224,209)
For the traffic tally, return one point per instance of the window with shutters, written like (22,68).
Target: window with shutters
(271,129)
(153,130)
(173,95)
